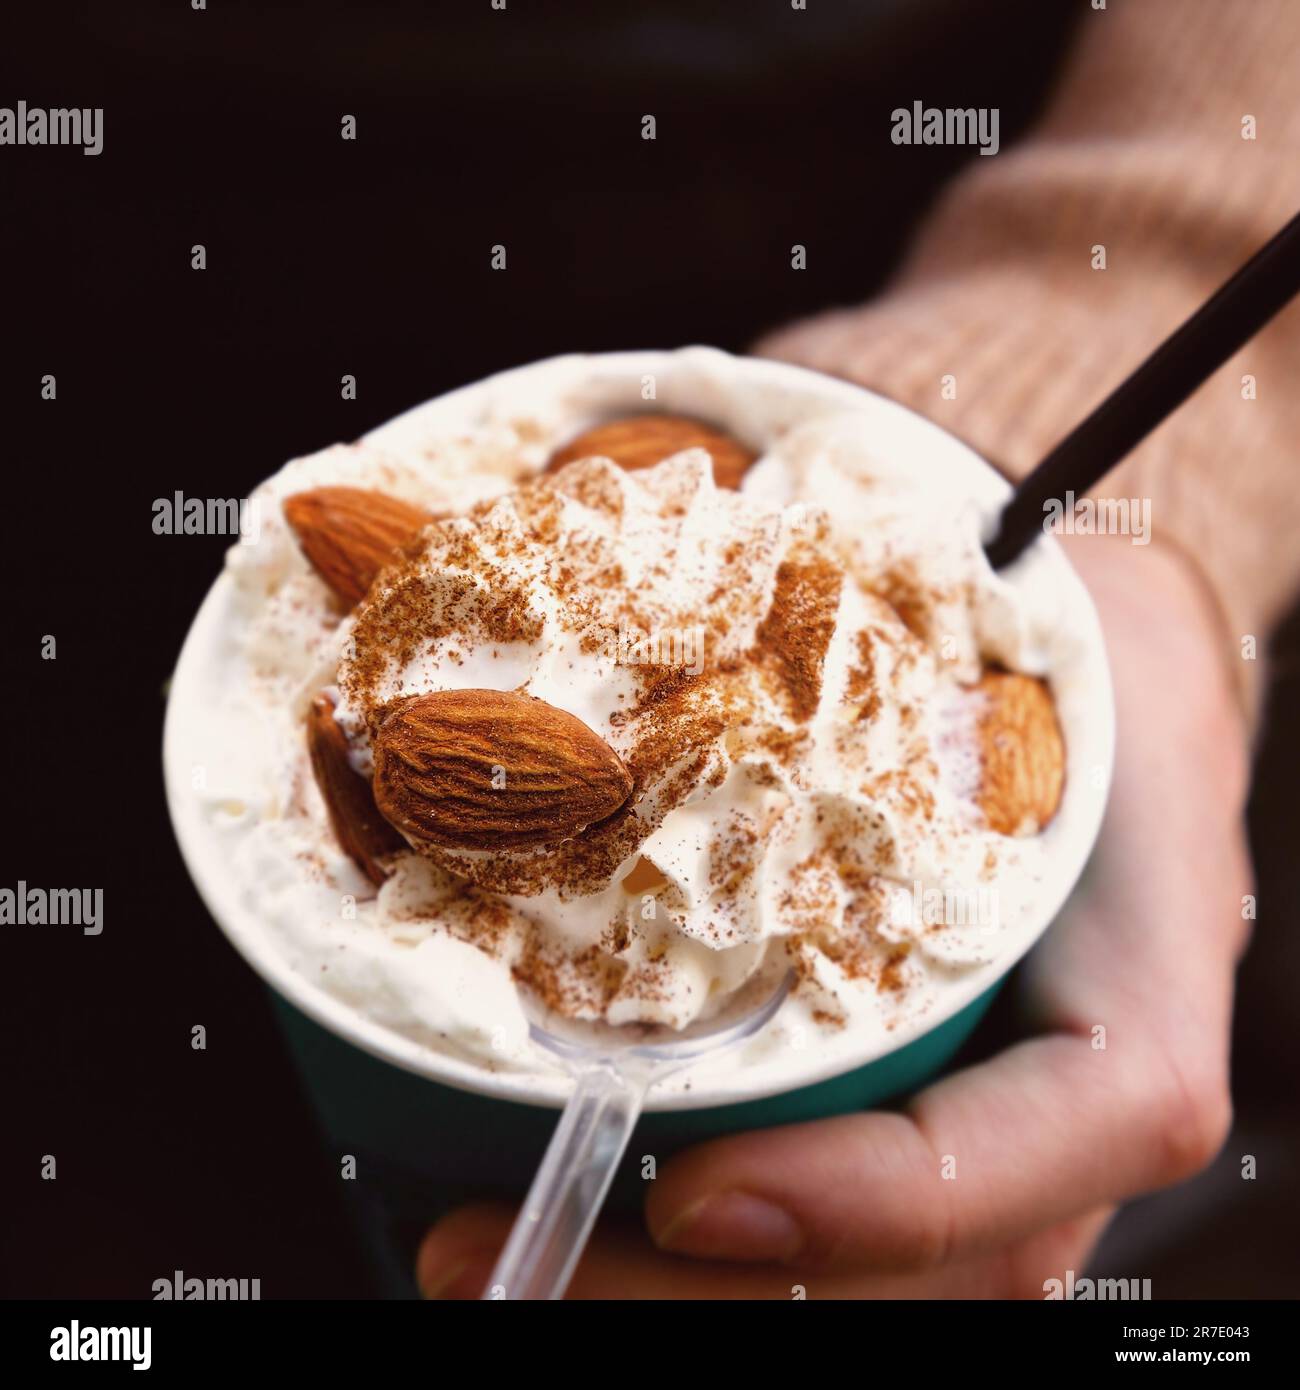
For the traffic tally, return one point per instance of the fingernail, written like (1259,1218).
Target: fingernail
(463,1279)
(733,1226)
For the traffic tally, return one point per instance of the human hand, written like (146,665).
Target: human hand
(1048,1136)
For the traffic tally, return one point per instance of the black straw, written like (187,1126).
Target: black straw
(1233,315)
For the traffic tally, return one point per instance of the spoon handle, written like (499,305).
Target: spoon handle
(555,1221)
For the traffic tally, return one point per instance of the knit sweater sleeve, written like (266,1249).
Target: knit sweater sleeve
(1169,154)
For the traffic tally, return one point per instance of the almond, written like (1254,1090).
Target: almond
(1022,753)
(359,828)
(641,441)
(349,534)
(483,769)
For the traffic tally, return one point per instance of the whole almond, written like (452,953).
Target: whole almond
(349,534)
(1022,753)
(641,441)
(484,769)
(359,828)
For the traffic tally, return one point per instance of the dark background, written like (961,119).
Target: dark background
(325,257)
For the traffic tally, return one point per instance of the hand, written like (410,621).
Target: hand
(1050,1135)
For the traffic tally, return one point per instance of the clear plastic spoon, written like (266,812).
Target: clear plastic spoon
(613,1069)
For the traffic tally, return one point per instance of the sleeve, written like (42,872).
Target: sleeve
(1169,154)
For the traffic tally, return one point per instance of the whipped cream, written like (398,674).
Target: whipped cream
(785,670)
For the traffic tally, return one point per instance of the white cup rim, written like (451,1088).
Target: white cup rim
(240,922)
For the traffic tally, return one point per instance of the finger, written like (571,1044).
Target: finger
(1021,1270)
(619,1263)
(1041,1133)
(457,1258)
(458,1255)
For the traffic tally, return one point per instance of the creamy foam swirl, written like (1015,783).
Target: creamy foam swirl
(804,788)
(782,723)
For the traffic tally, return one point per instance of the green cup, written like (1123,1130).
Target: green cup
(422,1148)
